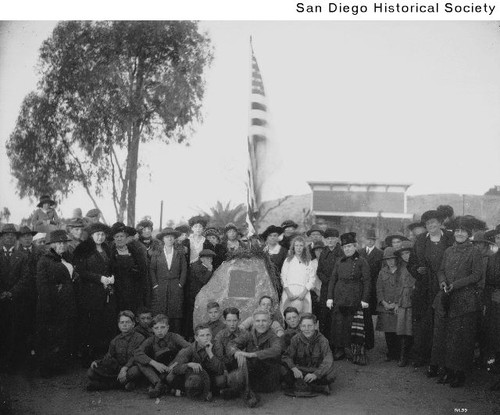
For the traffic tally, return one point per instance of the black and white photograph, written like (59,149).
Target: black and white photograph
(250,216)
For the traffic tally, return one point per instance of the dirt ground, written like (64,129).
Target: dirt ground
(379,388)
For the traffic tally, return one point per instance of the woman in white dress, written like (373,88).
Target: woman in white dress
(298,276)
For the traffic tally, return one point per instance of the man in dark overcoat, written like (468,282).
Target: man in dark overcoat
(14,278)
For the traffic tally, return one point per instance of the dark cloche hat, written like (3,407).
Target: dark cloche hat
(9,228)
(389,238)
(289,224)
(389,253)
(130,231)
(318,245)
(463,222)
(315,228)
(98,227)
(145,223)
(168,231)
(118,227)
(405,246)
(481,236)
(46,199)
(331,233)
(25,230)
(93,213)
(413,225)
(183,228)
(202,220)
(271,229)
(207,252)
(432,214)
(58,235)
(348,238)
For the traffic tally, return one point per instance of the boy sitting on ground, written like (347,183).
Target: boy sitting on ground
(144,321)
(197,369)
(116,369)
(214,318)
(155,356)
(309,357)
(265,302)
(291,315)
(221,341)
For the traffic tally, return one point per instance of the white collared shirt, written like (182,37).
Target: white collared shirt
(169,256)
(369,250)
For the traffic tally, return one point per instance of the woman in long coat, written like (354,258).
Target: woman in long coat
(456,307)
(348,293)
(56,306)
(168,272)
(429,251)
(129,268)
(276,253)
(97,301)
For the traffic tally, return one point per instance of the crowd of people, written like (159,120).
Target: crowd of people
(121,301)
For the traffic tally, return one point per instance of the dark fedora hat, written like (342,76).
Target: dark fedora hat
(289,224)
(58,235)
(331,233)
(389,238)
(202,220)
(315,228)
(168,231)
(46,199)
(98,227)
(271,229)
(207,252)
(76,223)
(9,228)
(371,234)
(230,226)
(348,238)
(432,214)
(118,227)
(25,230)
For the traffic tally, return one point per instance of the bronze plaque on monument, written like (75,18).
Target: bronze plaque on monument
(242,283)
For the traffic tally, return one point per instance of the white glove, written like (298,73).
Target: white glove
(111,280)
(364,305)
(104,280)
(329,303)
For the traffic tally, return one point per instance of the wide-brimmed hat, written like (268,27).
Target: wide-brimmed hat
(466,223)
(197,385)
(389,238)
(38,236)
(315,228)
(76,223)
(271,229)
(371,234)
(480,236)
(98,227)
(145,223)
(93,213)
(289,224)
(9,228)
(331,233)
(58,235)
(46,199)
(207,252)
(405,246)
(168,231)
(348,238)
(130,230)
(202,220)
(413,225)
(301,389)
(230,226)
(118,227)
(318,245)
(25,230)
(107,367)
(389,253)
(212,231)
(432,214)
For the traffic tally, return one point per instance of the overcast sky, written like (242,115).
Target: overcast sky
(414,102)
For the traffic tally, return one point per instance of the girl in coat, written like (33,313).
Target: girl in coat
(97,301)
(56,306)
(456,307)
(298,277)
(168,272)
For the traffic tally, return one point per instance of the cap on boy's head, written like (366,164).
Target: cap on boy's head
(160,318)
(231,310)
(200,327)
(126,313)
(260,310)
(144,310)
(290,310)
(212,304)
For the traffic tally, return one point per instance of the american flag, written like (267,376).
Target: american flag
(257,141)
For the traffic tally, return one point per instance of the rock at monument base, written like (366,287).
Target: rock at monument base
(236,283)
